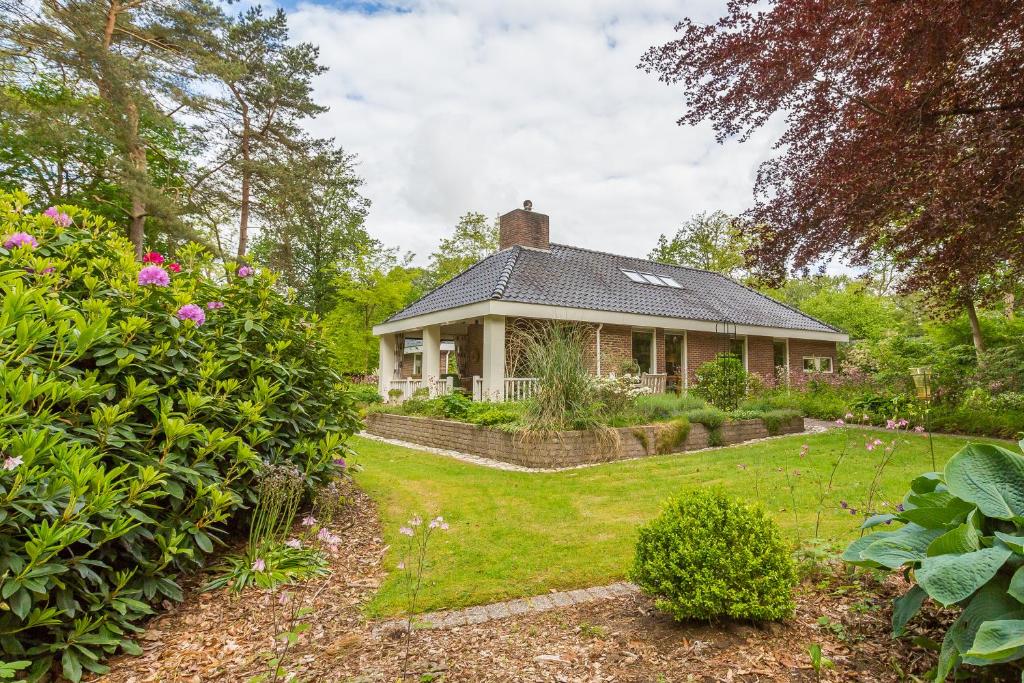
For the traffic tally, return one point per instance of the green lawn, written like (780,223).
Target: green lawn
(516,534)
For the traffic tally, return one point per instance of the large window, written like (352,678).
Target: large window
(674,361)
(738,348)
(643,350)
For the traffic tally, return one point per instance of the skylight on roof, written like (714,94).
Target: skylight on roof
(650,279)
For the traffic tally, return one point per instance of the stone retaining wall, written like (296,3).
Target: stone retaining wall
(560,449)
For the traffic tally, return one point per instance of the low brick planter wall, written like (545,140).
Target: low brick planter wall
(560,449)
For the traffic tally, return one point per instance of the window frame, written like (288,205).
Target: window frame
(817,364)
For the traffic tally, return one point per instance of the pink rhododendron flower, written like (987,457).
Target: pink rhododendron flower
(890,424)
(59,217)
(259,565)
(293,543)
(415,521)
(214,305)
(438,523)
(918,429)
(154,275)
(11,462)
(849,416)
(840,423)
(406,531)
(174,267)
(308,520)
(193,313)
(902,423)
(20,239)
(245,271)
(153,257)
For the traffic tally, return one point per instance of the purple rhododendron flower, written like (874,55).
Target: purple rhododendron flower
(154,275)
(59,217)
(20,239)
(340,462)
(245,271)
(405,531)
(308,520)
(214,305)
(259,565)
(193,313)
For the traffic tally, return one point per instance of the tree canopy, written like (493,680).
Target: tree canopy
(712,241)
(904,130)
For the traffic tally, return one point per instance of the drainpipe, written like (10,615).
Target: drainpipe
(599,349)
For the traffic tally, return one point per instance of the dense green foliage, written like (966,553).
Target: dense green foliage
(722,382)
(134,418)
(962,542)
(709,556)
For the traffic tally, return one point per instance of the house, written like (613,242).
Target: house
(668,319)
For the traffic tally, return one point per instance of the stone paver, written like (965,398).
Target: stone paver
(501,610)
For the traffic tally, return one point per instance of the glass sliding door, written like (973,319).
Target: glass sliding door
(674,365)
(643,350)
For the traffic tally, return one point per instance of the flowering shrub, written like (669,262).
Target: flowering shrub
(131,438)
(961,543)
(617,394)
(708,556)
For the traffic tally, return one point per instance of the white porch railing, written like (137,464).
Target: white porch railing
(520,388)
(410,385)
(656,383)
(443,387)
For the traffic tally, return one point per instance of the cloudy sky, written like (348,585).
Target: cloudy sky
(458,105)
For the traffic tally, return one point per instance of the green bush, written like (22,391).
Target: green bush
(365,394)
(658,407)
(773,419)
(131,435)
(723,381)
(712,419)
(961,542)
(708,556)
(491,414)
(455,406)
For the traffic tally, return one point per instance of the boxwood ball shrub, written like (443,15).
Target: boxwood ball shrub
(708,556)
(138,404)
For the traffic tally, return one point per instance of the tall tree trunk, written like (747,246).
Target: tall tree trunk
(137,155)
(1010,304)
(243,221)
(972,315)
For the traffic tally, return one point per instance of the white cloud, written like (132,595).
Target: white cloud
(478,105)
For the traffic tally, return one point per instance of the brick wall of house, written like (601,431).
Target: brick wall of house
(561,449)
(761,357)
(616,349)
(702,347)
(659,345)
(798,348)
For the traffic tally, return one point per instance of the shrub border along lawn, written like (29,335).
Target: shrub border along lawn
(549,450)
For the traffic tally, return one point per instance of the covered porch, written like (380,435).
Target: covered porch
(473,356)
(475,365)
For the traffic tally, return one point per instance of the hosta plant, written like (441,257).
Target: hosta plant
(139,402)
(962,543)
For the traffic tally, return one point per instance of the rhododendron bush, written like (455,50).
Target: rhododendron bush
(138,402)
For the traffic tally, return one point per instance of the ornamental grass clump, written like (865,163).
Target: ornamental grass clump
(565,396)
(708,556)
(133,440)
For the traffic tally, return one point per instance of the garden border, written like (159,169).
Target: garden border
(557,450)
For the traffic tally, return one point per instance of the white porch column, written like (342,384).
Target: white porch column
(494,358)
(431,355)
(386,368)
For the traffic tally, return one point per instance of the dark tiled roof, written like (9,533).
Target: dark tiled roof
(580,278)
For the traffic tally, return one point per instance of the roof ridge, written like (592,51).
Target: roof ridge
(506,274)
(637,258)
(709,272)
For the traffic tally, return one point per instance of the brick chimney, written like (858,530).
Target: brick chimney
(523,227)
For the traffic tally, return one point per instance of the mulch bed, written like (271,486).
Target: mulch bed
(214,637)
